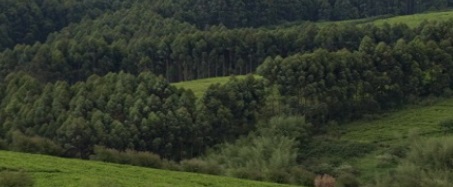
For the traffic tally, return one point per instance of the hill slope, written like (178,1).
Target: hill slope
(393,132)
(53,171)
(411,20)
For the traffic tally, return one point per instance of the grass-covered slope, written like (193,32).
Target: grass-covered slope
(201,85)
(394,131)
(52,171)
(416,19)
(411,20)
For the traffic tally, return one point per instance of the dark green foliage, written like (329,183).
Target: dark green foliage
(201,166)
(118,111)
(301,176)
(292,127)
(15,179)
(136,158)
(34,144)
(26,22)
(446,125)
(428,164)
(269,154)
(346,85)
(334,149)
(246,13)
(231,110)
(347,180)
(3,145)
(89,87)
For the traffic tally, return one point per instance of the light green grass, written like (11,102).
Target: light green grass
(395,129)
(201,85)
(411,20)
(59,172)
(416,19)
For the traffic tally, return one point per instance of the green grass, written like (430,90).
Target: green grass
(411,20)
(395,129)
(201,85)
(416,19)
(50,171)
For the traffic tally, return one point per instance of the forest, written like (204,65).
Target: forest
(92,80)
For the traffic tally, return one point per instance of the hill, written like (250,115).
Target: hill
(392,132)
(386,133)
(53,171)
(411,20)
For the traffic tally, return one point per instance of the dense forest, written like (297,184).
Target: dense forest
(91,79)
(254,13)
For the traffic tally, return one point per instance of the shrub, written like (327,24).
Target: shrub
(34,144)
(15,179)
(347,180)
(136,158)
(200,166)
(301,176)
(339,149)
(446,125)
(324,181)
(145,159)
(278,176)
(427,164)
(171,165)
(345,168)
(245,173)
(3,145)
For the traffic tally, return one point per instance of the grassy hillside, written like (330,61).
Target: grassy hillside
(411,20)
(51,171)
(199,86)
(416,19)
(394,131)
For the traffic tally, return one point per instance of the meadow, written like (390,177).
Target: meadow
(50,171)
(199,86)
(411,20)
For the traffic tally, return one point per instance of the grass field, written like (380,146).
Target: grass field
(411,20)
(59,172)
(395,129)
(201,85)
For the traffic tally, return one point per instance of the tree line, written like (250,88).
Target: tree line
(137,40)
(255,13)
(30,21)
(346,84)
(123,111)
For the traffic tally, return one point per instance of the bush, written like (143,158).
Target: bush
(301,176)
(347,180)
(34,144)
(170,165)
(251,174)
(345,168)
(3,145)
(15,179)
(427,164)
(136,158)
(339,149)
(446,125)
(278,176)
(145,159)
(200,166)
